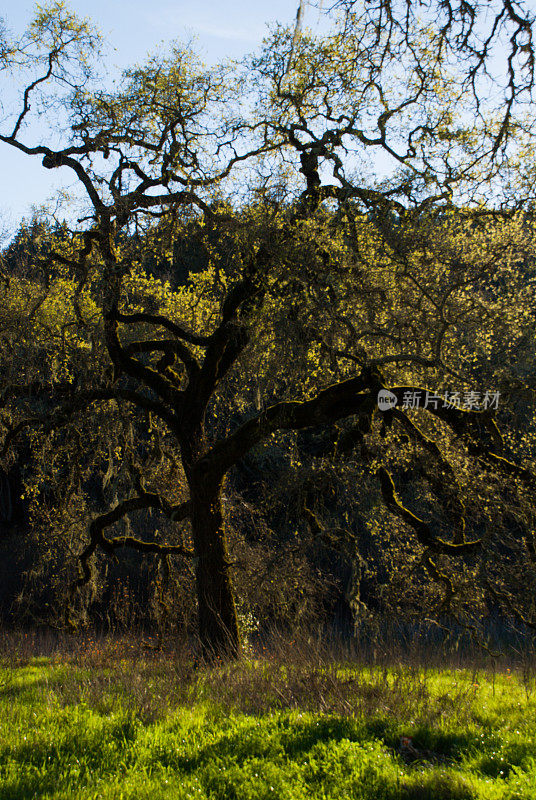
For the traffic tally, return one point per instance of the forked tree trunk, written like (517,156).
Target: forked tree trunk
(218,624)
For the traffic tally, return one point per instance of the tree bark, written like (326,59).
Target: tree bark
(218,624)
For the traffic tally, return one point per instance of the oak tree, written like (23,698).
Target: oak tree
(332,289)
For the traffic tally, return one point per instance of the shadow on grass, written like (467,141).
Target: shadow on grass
(290,742)
(27,787)
(77,758)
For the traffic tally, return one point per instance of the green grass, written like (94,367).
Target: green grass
(117,727)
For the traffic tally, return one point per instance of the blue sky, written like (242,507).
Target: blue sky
(133,28)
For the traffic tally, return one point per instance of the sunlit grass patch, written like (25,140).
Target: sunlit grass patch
(157,728)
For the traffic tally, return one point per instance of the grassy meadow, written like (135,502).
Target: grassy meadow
(112,719)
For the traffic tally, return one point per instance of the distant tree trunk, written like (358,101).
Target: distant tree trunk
(218,624)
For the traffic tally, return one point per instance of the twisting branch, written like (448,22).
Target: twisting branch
(29,89)
(78,402)
(471,425)
(166,346)
(53,159)
(155,380)
(109,546)
(467,28)
(448,477)
(163,322)
(336,402)
(421,528)
(477,429)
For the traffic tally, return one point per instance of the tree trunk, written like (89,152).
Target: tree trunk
(218,624)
